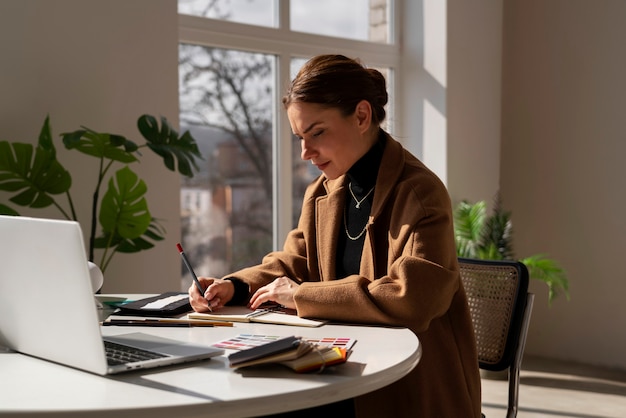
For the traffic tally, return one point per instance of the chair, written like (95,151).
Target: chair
(500,307)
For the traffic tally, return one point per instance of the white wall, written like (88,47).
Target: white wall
(450,92)
(563,144)
(100,64)
(534,107)
(473,95)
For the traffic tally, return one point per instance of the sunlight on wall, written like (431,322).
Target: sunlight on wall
(435,119)
(435,143)
(435,39)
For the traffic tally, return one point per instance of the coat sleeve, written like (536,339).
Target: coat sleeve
(289,262)
(295,260)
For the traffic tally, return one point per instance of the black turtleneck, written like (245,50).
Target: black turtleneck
(361,180)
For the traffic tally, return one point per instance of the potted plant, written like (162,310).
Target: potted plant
(490,237)
(37,179)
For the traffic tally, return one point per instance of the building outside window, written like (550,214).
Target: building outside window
(236,58)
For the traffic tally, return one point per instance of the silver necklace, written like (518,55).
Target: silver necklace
(358,202)
(345,226)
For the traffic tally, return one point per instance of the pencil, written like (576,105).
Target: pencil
(145,324)
(165,322)
(193,273)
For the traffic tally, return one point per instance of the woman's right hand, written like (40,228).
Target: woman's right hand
(218,292)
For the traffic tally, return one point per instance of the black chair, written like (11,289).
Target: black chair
(500,306)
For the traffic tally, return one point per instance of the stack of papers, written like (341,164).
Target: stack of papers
(294,352)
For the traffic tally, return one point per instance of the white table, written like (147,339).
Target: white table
(33,387)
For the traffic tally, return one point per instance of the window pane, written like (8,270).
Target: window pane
(226,102)
(350,19)
(303,171)
(252,12)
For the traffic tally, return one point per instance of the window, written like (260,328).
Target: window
(253,12)
(235,59)
(226,103)
(349,19)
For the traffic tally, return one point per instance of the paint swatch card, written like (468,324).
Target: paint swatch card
(246,341)
(339,342)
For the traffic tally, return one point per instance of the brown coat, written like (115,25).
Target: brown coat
(408,277)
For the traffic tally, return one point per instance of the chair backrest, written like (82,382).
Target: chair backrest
(496,293)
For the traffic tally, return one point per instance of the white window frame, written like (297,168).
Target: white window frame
(286,44)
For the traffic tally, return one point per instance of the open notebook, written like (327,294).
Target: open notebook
(269,315)
(47,308)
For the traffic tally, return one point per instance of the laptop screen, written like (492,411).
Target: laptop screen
(47,308)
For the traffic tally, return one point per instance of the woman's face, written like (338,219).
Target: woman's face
(331,141)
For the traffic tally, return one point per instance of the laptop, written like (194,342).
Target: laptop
(48,309)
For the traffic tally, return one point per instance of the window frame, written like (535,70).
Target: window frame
(286,44)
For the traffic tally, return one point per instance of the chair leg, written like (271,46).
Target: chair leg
(517,362)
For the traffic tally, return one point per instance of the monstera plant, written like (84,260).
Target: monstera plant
(35,178)
(490,237)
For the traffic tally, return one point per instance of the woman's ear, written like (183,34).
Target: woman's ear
(363,113)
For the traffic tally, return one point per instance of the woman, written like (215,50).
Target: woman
(374,243)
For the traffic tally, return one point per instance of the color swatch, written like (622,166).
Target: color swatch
(246,341)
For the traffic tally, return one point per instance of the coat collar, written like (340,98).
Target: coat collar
(329,210)
(389,172)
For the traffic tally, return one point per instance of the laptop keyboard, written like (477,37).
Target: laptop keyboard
(121,354)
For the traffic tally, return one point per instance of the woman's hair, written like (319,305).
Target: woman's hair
(339,82)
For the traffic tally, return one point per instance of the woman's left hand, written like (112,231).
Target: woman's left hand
(281,291)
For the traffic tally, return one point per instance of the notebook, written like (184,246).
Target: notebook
(270,315)
(48,310)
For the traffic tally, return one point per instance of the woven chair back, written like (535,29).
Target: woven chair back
(496,292)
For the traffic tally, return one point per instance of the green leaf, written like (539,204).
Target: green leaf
(134,245)
(6,210)
(34,173)
(469,222)
(45,138)
(498,235)
(480,236)
(166,143)
(124,209)
(154,232)
(489,252)
(101,145)
(549,271)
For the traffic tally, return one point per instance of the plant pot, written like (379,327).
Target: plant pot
(96,277)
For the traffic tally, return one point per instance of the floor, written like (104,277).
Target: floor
(551,389)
